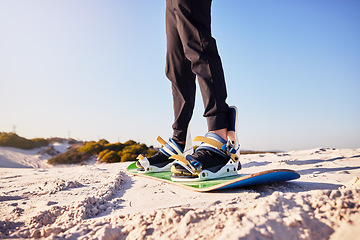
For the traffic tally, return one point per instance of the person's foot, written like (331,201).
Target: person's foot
(205,157)
(158,159)
(160,162)
(215,157)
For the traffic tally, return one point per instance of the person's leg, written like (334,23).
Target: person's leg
(191,50)
(194,27)
(178,71)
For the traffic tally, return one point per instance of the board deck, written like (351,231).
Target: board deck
(238,181)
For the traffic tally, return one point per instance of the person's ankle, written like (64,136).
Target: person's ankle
(221,132)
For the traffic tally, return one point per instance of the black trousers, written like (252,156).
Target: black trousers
(191,53)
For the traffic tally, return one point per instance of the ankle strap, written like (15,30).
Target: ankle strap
(215,143)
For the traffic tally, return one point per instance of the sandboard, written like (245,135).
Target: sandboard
(238,181)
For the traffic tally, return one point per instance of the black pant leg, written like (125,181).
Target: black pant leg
(196,44)
(178,70)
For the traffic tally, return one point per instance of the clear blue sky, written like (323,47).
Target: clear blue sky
(95,69)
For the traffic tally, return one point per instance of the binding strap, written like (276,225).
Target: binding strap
(169,148)
(215,143)
(209,141)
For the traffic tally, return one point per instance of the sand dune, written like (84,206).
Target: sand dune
(35,158)
(100,201)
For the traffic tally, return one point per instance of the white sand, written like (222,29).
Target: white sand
(35,158)
(100,201)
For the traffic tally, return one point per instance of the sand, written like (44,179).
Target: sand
(101,201)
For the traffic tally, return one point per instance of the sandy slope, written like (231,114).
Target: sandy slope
(18,158)
(102,202)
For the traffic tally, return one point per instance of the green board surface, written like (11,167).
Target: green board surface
(240,180)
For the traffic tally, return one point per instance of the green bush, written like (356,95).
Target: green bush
(115,146)
(40,142)
(13,140)
(129,153)
(70,157)
(102,153)
(130,142)
(110,157)
(116,152)
(103,142)
(107,152)
(92,148)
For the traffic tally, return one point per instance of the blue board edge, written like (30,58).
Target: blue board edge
(264,179)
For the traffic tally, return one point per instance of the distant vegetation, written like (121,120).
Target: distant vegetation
(106,152)
(244,152)
(116,152)
(80,152)
(13,140)
(72,156)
